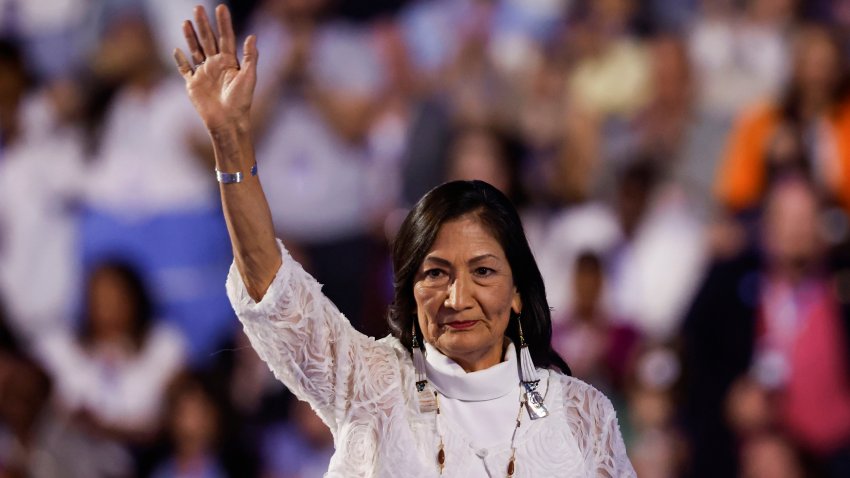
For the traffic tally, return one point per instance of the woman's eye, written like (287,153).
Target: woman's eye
(484,271)
(433,273)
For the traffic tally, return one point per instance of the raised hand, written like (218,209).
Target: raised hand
(218,86)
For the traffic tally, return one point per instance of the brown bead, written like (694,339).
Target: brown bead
(511,467)
(441,457)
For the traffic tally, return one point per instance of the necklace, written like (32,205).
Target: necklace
(441,453)
(429,400)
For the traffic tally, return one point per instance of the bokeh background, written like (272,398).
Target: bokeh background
(682,168)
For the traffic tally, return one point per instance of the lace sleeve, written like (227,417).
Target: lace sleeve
(610,449)
(309,345)
(594,423)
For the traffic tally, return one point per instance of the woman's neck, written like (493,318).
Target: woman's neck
(451,380)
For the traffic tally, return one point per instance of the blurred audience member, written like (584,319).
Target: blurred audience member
(598,349)
(299,448)
(113,374)
(662,125)
(15,81)
(770,456)
(740,52)
(193,424)
(805,131)
(318,91)
(607,84)
(41,183)
(479,152)
(24,398)
(150,156)
(656,267)
(541,113)
(765,341)
(655,445)
(252,399)
(612,71)
(35,442)
(52,32)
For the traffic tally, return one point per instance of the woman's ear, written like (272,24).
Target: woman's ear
(516,302)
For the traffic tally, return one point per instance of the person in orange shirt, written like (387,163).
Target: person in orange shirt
(807,131)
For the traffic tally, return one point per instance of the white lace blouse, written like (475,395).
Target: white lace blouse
(363,389)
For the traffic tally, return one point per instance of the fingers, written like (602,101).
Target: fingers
(183,65)
(227,39)
(205,33)
(250,54)
(195,50)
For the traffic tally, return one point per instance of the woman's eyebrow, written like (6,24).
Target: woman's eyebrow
(448,263)
(438,260)
(482,257)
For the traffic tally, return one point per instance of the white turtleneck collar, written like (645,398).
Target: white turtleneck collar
(452,381)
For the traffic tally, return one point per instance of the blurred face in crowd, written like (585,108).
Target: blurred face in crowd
(588,284)
(13,83)
(126,50)
(769,456)
(465,293)
(671,71)
(194,421)
(23,395)
(111,306)
(816,62)
(791,226)
(476,154)
(772,10)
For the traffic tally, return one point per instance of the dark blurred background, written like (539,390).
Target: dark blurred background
(682,168)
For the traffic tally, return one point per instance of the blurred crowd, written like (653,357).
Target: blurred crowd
(682,168)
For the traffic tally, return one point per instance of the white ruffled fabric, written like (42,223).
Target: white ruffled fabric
(363,389)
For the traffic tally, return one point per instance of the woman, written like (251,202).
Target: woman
(806,131)
(113,375)
(448,393)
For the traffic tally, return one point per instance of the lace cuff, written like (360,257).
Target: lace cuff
(244,305)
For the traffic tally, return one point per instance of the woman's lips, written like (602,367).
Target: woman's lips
(461,324)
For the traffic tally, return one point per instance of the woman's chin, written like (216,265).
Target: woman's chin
(462,344)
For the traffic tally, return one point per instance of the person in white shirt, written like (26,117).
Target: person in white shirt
(453,391)
(113,373)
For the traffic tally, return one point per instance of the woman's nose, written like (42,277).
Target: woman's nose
(459,297)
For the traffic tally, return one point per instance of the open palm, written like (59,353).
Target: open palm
(218,86)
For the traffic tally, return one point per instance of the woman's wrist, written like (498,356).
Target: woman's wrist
(239,125)
(233,148)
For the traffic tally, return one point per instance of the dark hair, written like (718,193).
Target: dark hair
(417,234)
(142,304)
(8,339)
(509,150)
(12,57)
(790,100)
(588,259)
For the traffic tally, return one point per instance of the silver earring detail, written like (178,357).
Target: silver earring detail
(528,375)
(425,397)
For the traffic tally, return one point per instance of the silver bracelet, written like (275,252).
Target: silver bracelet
(230,178)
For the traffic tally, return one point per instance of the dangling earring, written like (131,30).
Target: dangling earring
(528,376)
(425,397)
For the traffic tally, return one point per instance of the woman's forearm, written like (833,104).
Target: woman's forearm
(246,210)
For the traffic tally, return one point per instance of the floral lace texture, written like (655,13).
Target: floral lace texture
(362,389)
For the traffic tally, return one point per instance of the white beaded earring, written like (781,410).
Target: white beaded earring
(528,375)
(425,396)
